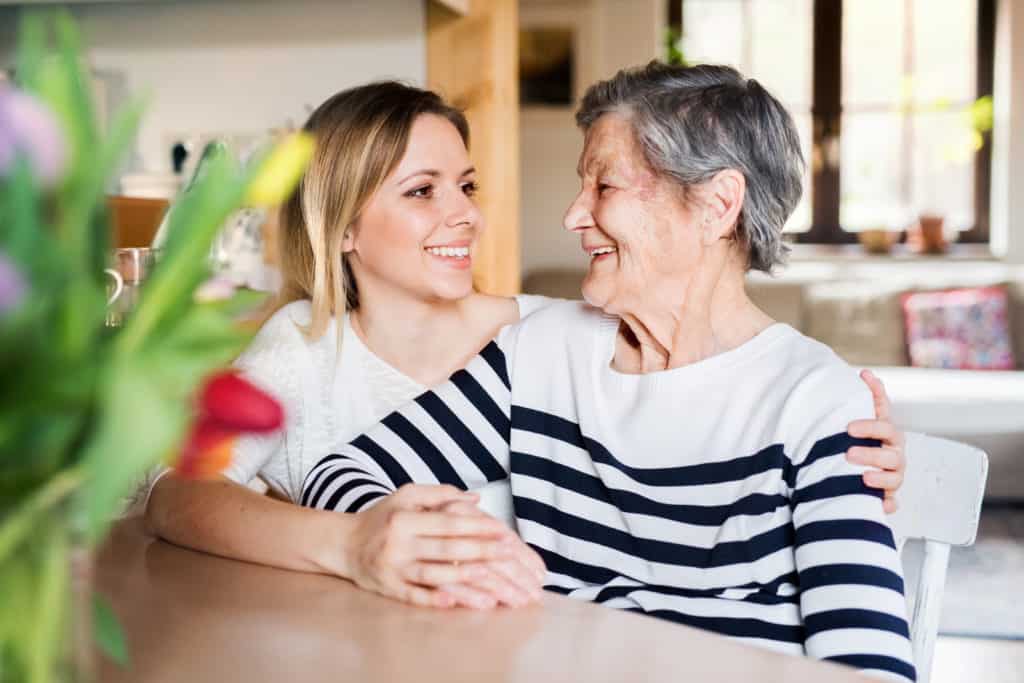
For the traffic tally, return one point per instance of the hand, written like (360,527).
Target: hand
(406,547)
(889,458)
(516,581)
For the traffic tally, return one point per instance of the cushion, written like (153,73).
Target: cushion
(958,328)
(860,320)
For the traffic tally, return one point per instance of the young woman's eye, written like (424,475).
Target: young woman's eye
(470,188)
(424,192)
(602,188)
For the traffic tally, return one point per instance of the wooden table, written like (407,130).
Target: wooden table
(195,617)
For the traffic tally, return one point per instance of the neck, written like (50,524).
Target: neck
(716,316)
(417,337)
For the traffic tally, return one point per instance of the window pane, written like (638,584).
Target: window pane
(870,172)
(800,221)
(782,32)
(943,180)
(872,53)
(945,38)
(713,32)
(770,40)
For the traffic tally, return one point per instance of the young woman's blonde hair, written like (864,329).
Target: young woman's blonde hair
(361,135)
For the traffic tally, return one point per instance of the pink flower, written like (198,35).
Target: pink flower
(28,127)
(12,285)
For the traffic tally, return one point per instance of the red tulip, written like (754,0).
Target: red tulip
(228,405)
(235,403)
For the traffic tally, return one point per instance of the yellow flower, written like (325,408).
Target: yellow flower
(280,171)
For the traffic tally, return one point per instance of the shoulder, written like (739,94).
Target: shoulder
(823,393)
(561,317)
(559,325)
(528,303)
(816,370)
(280,340)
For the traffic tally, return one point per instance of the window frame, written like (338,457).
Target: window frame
(826,114)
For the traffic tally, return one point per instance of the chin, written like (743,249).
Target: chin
(453,291)
(595,293)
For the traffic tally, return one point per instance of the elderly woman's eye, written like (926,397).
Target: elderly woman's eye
(602,187)
(422,192)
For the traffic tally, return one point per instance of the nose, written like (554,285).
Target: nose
(578,216)
(463,211)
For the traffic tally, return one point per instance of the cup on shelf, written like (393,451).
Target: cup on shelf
(878,240)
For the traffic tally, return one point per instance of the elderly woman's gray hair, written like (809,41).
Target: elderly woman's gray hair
(693,122)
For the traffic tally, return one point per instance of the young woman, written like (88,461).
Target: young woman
(377,306)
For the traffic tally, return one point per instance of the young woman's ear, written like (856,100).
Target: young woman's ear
(348,240)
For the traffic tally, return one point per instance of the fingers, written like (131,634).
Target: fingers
(446,524)
(423,597)
(463,508)
(883,458)
(890,504)
(888,481)
(497,584)
(458,549)
(878,395)
(883,430)
(529,559)
(520,580)
(471,596)
(441,573)
(424,495)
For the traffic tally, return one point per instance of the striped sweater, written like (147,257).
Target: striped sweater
(715,494)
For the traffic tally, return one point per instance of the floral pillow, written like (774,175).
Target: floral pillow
(958,328)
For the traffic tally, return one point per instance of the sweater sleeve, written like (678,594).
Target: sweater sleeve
(850,577)
(456,433)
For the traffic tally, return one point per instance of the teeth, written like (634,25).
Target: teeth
(457,252)
(602,250)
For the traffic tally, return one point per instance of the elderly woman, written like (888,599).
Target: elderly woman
(670,448)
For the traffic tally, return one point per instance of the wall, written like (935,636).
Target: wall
(1008,135)
(237,66)
(610,35)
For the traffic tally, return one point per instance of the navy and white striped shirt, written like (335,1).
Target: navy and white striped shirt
(715,494)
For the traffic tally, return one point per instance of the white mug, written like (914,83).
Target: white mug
(118,284)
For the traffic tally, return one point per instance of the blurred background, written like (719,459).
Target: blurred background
(908,245)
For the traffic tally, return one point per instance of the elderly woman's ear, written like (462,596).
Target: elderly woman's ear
(723,204)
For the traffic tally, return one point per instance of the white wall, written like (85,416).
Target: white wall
(242,66)
(610,35)
(1007,218)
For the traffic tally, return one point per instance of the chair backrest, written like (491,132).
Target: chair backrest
(940,502)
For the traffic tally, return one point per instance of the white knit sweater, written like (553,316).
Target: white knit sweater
(326,402)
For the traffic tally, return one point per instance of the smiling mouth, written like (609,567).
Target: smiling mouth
(598,252)
(449,252)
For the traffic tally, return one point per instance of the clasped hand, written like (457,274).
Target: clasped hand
(432,546)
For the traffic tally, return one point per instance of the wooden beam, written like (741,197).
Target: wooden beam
(457,6)
(472,60)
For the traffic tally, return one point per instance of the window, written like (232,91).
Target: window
(885,95)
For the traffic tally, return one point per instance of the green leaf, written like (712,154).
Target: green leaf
(242,302)
(108,632)
(31,42)
(20,227)
(46,632)
(139,422)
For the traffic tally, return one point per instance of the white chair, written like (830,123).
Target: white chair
(940,502)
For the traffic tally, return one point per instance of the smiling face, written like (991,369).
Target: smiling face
(417,231)
(639,233)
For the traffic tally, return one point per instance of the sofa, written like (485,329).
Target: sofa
(853,305)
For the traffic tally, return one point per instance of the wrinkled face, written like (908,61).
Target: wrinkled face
(642,240)
(416,234)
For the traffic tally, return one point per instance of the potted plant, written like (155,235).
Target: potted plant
(86,409)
